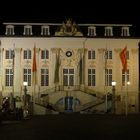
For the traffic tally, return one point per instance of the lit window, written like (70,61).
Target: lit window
(108,31)
(91,77)
(92,31)
(45,30)
(27,76)
(8,77)
(44,77)
(27,30)
(9,54)
(108,77)
(125,31)
(44,54)
(108,54)
(91,54)
(123,76)
(10,30)
(27,54)
(68,77)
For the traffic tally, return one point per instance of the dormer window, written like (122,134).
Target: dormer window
(27,30)
(10,30)
(45,31)
(108,31)
(125,31)
(91,31)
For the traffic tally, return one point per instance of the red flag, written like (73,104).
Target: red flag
(124,58)
(34,68)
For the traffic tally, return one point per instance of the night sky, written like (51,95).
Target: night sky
(88,11)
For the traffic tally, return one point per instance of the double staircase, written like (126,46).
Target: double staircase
(79,99)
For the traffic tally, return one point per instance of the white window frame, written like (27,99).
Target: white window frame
(67,76)
(27,30)
(123,76)
(44,77)
(92,31)
(10,30)
(125,31)
(27,54)
(45,30)
(8,77)
(108,77)
(91,77)
(108,31)
(44,54)
(9,54)
(91,54)
(27,75)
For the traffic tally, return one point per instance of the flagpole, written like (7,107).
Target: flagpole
(34,78)
(123,56)
(34,99)
(126,96)
(13,65)
(1,92)
(83,63)
(106,106)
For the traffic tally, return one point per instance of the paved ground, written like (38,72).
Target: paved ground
(73,127)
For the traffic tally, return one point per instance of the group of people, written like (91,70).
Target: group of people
(10,111)
(6,104)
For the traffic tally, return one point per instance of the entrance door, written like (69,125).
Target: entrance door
(68,77)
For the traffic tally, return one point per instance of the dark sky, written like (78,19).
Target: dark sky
(82,11)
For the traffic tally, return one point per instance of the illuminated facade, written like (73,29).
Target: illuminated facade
(72,61)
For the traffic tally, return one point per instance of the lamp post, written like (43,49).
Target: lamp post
(126,99)
(25,93)
(113,96)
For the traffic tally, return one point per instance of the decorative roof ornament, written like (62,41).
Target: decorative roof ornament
(68,28)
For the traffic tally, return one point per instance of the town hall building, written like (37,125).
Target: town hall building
(75,66)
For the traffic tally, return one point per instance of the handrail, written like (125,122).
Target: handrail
(46,104)
(74,88)
(89,105)
(92,92)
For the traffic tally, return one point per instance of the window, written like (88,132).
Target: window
(125,31)
(92,31)
(44,77)
(44,54)
(108,77)
(91,54)
(9,30)
(68,77)
(91,77)
(9,54)
(123,77)
(108,31)
(45,30)
(9,77)
(27,76)
(27,54)
(27,30)
(108,54)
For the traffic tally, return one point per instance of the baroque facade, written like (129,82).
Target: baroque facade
(75,65)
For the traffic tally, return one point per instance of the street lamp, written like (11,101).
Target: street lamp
(113,96)
(25,93)
(126,98)
(128,83)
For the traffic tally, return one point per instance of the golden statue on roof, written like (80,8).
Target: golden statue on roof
(68,28)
